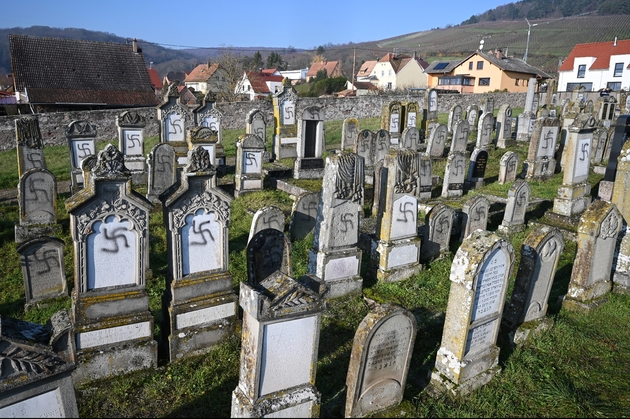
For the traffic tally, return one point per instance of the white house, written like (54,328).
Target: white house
(596,66)
(258,85)
(395,72)
(295,75)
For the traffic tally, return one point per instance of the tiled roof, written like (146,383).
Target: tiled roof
(171,76)
(259,79)
(400,61)
(329,66)
(366,68)
(55,70)
(202,73)
(512,64)
(601,51)
(156,82)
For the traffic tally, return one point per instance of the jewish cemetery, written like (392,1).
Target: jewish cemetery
(440,255)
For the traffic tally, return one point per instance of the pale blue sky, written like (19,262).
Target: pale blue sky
(221,23)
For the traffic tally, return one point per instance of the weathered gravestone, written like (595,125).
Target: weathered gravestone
(30,145)
(335,256)
(304,215)
(43,270)
(411,111)
(454,175)
(256,123)
(571,110)
(600,138)
(591,275)
(508,167)
(437,141)
(541,163)
(285,137)
(477,169)
(621,263)
(454,116)
(430,111)
(525,315)
(484,131)
(621,188)
(461,129)
(396,253)
(425,171)
(207,138)
(270,216)
(311,143)
(468,356)
(162,170)
(208,116)
(109,224)
(349,133)
(504,126)
(250,150)
(175,120)
(37,198)
(516,207)
(410,138)
(36,363)
(391,120)
(472,116)
(280,340)
(364,147)
(131,142)
(621,132)
(199,305)
(437,232)
(525,121)
(81,137)
(474,215)
(268,251)
(380,359)
(605,110)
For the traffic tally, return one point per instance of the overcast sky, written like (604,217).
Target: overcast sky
(278,23)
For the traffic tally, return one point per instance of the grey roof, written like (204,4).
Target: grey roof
(513,64)
(56,70)
(450,65)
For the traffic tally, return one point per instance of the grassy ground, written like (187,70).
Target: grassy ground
(576,369)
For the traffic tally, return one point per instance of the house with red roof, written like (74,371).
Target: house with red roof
(258,85)
(207,77)
(333,69)
(156,81)
(395,71)
(596,66)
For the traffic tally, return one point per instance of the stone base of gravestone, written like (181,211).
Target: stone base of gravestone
(572,199)
(244,184)
(277,170)
(396,260)
(506,143)
(24,233)
(475,183)
(287,187)
(529,330)
(440,384)
(541,169)
(340,270)
(284,147)
(107,350)
(572,304)
(304,402)
(308,168)
(138,168)
(605,190)
(507,229)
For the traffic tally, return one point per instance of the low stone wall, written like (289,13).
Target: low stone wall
(53,125)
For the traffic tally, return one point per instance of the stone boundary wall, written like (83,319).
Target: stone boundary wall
(53,125)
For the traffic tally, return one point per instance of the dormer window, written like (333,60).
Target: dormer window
(618,70)
(581,71)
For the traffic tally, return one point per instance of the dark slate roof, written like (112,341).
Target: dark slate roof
(514,64)
(442,67)
(55,70)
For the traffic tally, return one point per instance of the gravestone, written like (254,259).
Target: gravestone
(280,340)
(454,175)
(131,142)
(437,229)
(382,144)
(425,172)
(199,304)
(410,138)
(250,176)
(504,126)
(525,121)
(311,143)
(37,198)
(304,215)
(256,123)
(391,120)
(175,120)
(572,109)
(477,169)
(468,356)
(335,257)
(411,112)
(30,145)
(268,251)
(508,167)
(573,195)
(474,215)
(285,137)
(207,138)
(396,251)
(162,170)
(437,141)
(600,138)
(591,276)
(454,116)
(516,207)
(36,364)
(621,263)
(605,110)
(541,163)
(364,147)
(472,116)
(267,217)
(484,131)
(81,137)
(621,192)
(461,130)
(430,117)
(43,270)
(207,115)
(525,315)
(349,133)
(109,225)
(380,359)
(620,135)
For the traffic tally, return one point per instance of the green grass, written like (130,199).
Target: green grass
(576,369)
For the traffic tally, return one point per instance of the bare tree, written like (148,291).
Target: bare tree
(229,73)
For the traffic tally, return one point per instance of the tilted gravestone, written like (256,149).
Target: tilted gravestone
(504,126)
(268,251)
(285,138)
(437,232)
(454,175)
(620,135)
(591,275)
(109,225)
(437,141)
(199,305)
(30,145)
(43,270)
(270,216)
(454,116)
(461,130)
(516,207)
(474,215)
(37,198)
(131,142)
(335,256)
(477,169)
(380,359)
(349,133)
(36,363)
(81,137)
(508,167)
(162,170)
(175,120)
(304,215)
(250,176)
(525,315)
(468,356)
(311,144)
(600,138)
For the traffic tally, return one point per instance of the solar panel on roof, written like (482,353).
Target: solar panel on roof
(440,66)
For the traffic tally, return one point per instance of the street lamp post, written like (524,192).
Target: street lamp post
(529,28)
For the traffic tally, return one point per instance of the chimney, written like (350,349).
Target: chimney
(498,53)
(134,46)
(615,43)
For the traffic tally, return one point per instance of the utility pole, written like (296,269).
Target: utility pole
(354,61)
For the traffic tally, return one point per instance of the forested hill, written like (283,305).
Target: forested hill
(547,9)
(152,52)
